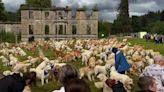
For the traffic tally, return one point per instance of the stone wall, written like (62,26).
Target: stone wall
(14,27)
(59,26)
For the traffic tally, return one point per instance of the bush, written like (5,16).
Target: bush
(7,37)
(156,27)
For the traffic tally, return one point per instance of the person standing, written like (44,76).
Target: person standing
(121,63)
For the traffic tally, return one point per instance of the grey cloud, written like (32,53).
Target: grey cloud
(160,3)
(139,1)
(143,8)
(11,8)
(136,14)
(108,8)
(12,5)
(107,16)
(110,5)
(63,3)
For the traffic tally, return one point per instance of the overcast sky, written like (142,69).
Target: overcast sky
(108,8)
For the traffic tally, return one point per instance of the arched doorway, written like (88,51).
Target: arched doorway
(31,39)
(47,29)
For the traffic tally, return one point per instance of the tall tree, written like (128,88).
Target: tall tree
(123,20)
(39,3)
(155,27)
(136,24)
(104,29)
(162,16)
(2,12)
(13,16)
(144,22)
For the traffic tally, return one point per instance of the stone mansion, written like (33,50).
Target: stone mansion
(54,23)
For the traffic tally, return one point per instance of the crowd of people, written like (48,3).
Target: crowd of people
(154,37)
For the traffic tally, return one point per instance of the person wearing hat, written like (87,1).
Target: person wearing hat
(156,70)
(121,63)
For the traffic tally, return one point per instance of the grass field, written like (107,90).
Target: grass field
(52,85)
(148,44)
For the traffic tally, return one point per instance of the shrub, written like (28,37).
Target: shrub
(7,37)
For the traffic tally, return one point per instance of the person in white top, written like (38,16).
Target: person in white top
(156,70)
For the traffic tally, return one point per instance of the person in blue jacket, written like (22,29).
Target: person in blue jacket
(121,63)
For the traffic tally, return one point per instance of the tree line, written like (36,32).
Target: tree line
(152,22)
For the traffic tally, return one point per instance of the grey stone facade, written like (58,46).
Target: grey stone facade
(14,27)
(56,23)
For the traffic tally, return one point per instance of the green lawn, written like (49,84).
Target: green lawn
(148,44)
(52,85)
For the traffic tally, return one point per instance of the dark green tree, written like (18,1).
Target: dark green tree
(162,16)
(2,12)
(136,24)
(39,3)
(150,17)
(12,16)
(116,27)
(104,28)
(142,23)
(155,27)
(7,37)
(123,20)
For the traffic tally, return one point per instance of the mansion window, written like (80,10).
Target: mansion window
(60,14)
(56,29)
(88,14)
(31,39)
(46,15)
(74,29)
(66,14)
(31,15)
(60,29)
(64,29)
(46,29)
(73,14)
(31,29)
(88,30)
(56,15)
